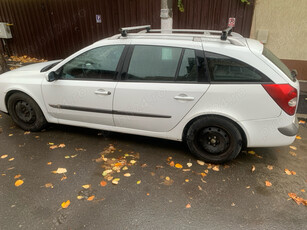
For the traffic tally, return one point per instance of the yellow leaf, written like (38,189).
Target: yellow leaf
(80,197)
(91,198)
(60,171)
(292,154)
(10,135)
(49,185)
(17,176)
(203,174)
(253,168)
(138,182)
(270,167)
(302,122)
(179,166)
(4,156)
(49,163)
(216,168)
(18,183)
(298,137)
(27,133)
(132,161)
(53,147)
(200,162)
(11,159)
(127,174)
(188,206)
(172,164)
(287,171)
(293,147)
(251,152)
(186,180)
(268,183)
(189,165)
(65,204)
(61,145)
(106,172)
(50,143)
(125,168)
(73,156)
(302,190)
(66,157)
(115,181)
(63,178)
(167,178)
(86,186)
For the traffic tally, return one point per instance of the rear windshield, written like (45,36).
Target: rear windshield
(269,55)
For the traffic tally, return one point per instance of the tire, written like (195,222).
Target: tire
(214,139)
(26,113)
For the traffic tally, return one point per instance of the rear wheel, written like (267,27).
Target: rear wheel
(214,139)
(25,112)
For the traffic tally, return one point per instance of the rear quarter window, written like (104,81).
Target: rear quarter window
(226,69)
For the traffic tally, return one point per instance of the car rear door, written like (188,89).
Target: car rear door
(160,84)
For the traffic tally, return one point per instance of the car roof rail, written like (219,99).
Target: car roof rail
(124,31)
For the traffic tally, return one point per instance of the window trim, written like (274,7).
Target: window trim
(202,78)
(269,81)
(117,70)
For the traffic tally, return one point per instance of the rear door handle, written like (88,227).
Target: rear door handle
(184,98)
(102,92)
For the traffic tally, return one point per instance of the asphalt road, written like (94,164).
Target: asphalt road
(155,196)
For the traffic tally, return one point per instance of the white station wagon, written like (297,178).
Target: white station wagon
(215,90)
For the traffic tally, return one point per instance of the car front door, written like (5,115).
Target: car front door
(85,87)
(159,86)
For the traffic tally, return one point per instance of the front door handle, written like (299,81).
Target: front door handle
(183,97)
(102,92)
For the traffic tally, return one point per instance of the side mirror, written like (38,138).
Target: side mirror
(53,76)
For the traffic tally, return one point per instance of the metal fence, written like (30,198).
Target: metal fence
(53,29)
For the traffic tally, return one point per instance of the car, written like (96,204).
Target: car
(214,90)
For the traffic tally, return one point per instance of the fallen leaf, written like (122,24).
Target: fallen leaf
(17,176)
(293,147)
(4,156)
(10,135)
(206,171)
(65,204)
(172,163)
(203,174)
(49,185)
(186,170)
(115,181)
(80,149)
(268,183)
(86,186)
(200,162)
(144,165)
(288,172)
(167,178)
(270,167)
(138,182)
(216,168)
(301,122)
(27,133)
(61,145)
(106,172)
(233,204)
(169,158)
(253,168)
(49,163)
(125,168)
(302,190)
(63,178)
(200,188)
(248,186)
(66,157)
(127,174)
(103,183)
(18,183)
(187,180)
(73,156)
(80,197)
(179,166)
(109,178)
(298,137)
(251,152)
(297,199)
(53,147)
(292,153)
(11,159)
(60,171)
(189,165)
(188,206)
(91,198)
(132,161)
(147,194)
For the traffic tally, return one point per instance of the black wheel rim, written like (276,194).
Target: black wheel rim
(213,140)
(25,112)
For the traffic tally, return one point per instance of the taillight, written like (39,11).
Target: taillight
(284,95)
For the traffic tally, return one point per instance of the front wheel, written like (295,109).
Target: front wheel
(214,139)
(25,112)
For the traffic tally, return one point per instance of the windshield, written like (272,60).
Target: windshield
(269,55)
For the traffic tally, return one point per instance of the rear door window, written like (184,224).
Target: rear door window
(226,69)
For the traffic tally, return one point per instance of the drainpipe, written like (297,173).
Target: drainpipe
(166,15)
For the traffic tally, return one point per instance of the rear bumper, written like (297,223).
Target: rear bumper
(290,130)
(274,132)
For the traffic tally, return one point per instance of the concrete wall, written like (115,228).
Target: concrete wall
(286,21)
